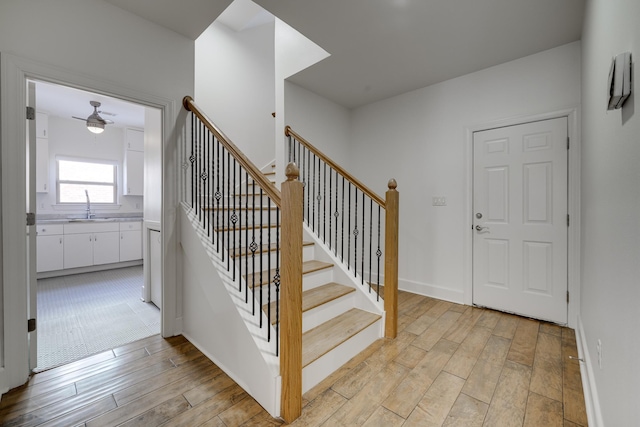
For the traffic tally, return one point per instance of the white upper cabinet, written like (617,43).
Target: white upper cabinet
(134,139)
(133,163)
(42,153)
(42,125)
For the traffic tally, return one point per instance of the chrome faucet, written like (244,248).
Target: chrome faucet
(88,209)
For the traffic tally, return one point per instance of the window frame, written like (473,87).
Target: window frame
(113,163)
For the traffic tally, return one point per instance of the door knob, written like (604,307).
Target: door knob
(480,228)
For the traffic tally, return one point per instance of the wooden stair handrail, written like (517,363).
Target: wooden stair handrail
(275,195)
(379,200)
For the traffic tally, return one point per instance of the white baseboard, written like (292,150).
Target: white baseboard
(432,291)
(594,414)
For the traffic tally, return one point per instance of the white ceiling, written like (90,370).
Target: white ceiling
(66,102)
(379,48)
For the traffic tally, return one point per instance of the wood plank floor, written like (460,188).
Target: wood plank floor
(451,365)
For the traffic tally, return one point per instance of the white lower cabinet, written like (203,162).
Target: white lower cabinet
(106,248)
(130,241)
(78,250)
(82,250)
(84,244)
(49,244)
(49,253)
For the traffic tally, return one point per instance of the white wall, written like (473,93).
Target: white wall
(235,86)
(93,45)
(610,205)
(419,138)
(325,124)
(70,138)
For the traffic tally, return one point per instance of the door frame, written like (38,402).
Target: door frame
(14,72)
(573,204)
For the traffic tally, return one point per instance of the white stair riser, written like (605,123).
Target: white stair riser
(327,311)
(242,236)
(311,280)
(320,369)
(307,255)
(223,217)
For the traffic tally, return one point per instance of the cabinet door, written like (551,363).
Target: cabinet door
(134,140)
(42,125)
(134,173)
(50,253)
(106,248)
(78,250)
(42,165)
(155,267)
(130,245)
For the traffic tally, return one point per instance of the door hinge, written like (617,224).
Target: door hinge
(31,218)
(567,220)
(31,113)
(31,325)
(567,297)
(568,142)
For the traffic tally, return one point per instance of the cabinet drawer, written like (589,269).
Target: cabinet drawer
(85,227)
(130,226)
(49,229)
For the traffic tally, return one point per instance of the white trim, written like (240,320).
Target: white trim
(433,291)
(573,261)
(15,71)
(592,403)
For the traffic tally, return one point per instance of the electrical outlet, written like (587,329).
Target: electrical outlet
(599,351)
(439,201)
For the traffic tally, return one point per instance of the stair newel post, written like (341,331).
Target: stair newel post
(391,260)
(291,295)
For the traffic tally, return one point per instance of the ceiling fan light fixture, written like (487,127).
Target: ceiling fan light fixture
(95,127)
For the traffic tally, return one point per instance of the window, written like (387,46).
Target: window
(97,178)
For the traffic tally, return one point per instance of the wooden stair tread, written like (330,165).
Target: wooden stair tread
(238,208)
(307,267)
(324,338)
(315,297)
(264,248)
(245,227)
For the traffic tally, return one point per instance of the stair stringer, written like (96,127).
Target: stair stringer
(217,321)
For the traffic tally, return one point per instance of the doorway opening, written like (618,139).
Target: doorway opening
(91,274)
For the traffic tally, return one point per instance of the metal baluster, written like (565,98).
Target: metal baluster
(318,197)
(261,231)
(246,242)
(362,252)
(342,228)
(378,253)
(313,194)
(324,203)
(192,157)
(307,188)
(349,231)
(277,281)
(336,214)
(355,236)
(254,247)
(218,195)
(209,175)
(234,218)
(268,267)
(370,240)
(330,199)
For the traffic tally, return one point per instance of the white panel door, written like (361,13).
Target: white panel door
(520,219)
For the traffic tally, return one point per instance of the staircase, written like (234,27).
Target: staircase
(234,260)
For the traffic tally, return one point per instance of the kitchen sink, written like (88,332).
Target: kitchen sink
(91,220)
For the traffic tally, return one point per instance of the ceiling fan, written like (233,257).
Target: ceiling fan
(95,123)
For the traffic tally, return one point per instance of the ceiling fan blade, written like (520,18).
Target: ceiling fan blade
(109,122)
(79,118)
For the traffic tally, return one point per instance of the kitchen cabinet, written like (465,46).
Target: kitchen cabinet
(134,163)
(42,125)
(155,267)
(106,248)
(133,173)
(87,244)
(49,244)
(42,153)
(134,139)
(130,241)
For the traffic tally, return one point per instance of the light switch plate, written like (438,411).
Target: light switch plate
(439,201)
